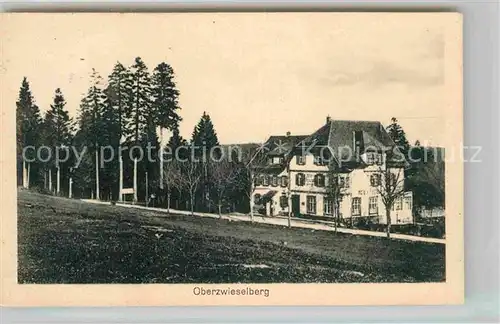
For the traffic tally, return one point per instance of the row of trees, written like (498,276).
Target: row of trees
(131,108)
(126,110)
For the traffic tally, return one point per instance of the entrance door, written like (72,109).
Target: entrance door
(296,205)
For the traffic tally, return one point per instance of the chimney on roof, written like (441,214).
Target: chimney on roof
(328,119)
(358,144)
(288,134)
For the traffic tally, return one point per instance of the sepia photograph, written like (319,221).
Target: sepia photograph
(220,154)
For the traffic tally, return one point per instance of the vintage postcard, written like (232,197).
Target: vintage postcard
(231,159)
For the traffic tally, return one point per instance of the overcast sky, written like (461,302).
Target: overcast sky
(256,75)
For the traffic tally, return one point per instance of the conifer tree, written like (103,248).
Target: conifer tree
(28,131)
(110,143)
(204,139)
(204,134)
(92,129)
(118,97)
(142,118)
(141,100)
(165,102)
(58,135)
(176,140)
(165,97)
(398,135)
(171,166)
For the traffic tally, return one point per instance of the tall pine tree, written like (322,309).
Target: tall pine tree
(398,135)
(92,133)
(204,134)
(142,117)
(165,97)
(28,132)
(58,127)
(176,140)
(119,99)
(204,139)
(119,96)
(141,101)
(165,103)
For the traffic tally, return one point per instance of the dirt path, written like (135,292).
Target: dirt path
(283,221)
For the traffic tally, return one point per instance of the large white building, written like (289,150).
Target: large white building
(359,154)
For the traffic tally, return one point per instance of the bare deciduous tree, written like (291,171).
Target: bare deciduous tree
(253,160)
(390,186)
(172,178)
(223,176)
(191,175)
(335,190)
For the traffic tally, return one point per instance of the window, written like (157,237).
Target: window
(276,160)
(274,181)
(373,158)
(408,203)
(301,160)
(319,180)
(300,179)
(344,181)
(311,205)
(375,180)
(284,181)
(283,201)
(328,206)
(265,180)
(373,206)
(320,160)
(258,180)
(356,206)
(398,204)
(331,180)
(256,199)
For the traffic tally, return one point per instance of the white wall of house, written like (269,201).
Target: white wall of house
(358,187)
(275,202)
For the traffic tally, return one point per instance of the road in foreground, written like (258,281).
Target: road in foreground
(69,241)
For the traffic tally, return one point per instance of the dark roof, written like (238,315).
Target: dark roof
(273,168)
(338,136)
(281,145)
(238,148)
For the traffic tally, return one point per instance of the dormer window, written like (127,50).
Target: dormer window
(373,158)
(320,160)
(275,160)
(301,160)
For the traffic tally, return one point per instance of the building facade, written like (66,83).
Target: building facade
(357,159)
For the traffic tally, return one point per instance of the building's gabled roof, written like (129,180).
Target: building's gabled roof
(281,145)
(273,169)
(338,136)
